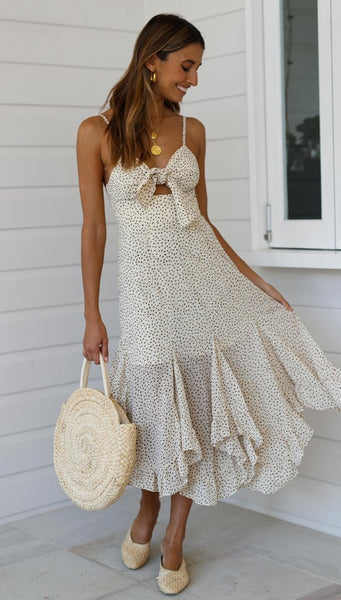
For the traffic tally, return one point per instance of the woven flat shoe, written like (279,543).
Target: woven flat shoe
(170,581)
(134,555)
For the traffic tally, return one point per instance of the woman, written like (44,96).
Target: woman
(213,364)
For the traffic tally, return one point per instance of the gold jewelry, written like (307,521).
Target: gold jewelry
(155,149)
(152,76)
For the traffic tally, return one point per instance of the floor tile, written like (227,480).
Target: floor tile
(331,592)
(138,591)
(107,551)
(59,576)
(300,547)
(231,552)
(71,525)
(225,520)
(240,575)
(16,545)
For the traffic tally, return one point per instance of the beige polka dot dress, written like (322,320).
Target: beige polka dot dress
(214,372)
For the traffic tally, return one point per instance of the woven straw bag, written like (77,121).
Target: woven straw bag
(94,445)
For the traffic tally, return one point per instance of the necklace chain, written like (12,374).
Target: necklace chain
(155,148)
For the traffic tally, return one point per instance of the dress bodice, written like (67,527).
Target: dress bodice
(181,175)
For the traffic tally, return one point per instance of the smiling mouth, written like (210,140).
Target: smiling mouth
(181,88)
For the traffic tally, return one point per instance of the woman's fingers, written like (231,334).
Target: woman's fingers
(286,304)
(105,350)
(273,293)
(95,356)
(95,341)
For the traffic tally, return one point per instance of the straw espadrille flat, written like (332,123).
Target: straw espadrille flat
(170,581)
(134,555)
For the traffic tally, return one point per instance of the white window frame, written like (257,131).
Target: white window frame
(302,243)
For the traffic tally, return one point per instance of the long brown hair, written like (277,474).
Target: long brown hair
(132,97)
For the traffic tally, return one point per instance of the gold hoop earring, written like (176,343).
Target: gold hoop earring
(152,77)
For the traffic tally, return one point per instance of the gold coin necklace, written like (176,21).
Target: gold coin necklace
(155,149)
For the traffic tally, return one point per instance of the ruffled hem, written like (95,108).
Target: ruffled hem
(243,446)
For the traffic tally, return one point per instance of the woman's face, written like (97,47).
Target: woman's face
(177,73)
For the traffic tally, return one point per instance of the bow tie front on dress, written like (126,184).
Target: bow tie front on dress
(185,200)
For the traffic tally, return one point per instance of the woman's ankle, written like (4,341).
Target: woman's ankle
(174,537)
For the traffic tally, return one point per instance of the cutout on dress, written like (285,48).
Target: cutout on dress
(162,189)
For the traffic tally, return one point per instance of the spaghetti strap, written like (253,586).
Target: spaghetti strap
(104,117)
(183,131)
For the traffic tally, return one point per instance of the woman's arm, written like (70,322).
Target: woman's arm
(90,175)
(199,132)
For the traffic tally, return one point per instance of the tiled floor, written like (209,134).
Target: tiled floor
(231,553)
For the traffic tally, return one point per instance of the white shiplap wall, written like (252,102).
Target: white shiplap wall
(58,62)
(313,498)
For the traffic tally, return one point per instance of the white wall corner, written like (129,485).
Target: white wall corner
(256,121)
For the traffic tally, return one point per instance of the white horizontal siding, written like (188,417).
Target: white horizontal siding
(58,62)
(66,46)
(221,76)
(35,167)
(104,14)
(228,197)
(53,247)
(37,408)
(199,10)
(42,368)
(55,86)
(42,328)
(223,117)
(29,491)
(25,125)
(26,451)
(305,501)
(61,286)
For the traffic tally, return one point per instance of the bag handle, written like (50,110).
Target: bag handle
(105,376)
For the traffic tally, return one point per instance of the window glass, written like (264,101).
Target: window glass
(301,101)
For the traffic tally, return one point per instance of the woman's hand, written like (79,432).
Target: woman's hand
(273,293)
(95,340)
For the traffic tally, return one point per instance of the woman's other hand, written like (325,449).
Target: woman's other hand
(273,293)
(95,339)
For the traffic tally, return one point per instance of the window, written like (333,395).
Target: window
(293,61)
(300,84)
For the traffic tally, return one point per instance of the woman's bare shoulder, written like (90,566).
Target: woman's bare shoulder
(95,124)
(195,131)
(194,124)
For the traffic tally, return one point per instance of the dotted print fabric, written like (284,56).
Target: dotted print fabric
(214,372)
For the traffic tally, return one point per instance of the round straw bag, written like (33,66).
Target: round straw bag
(94,445)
